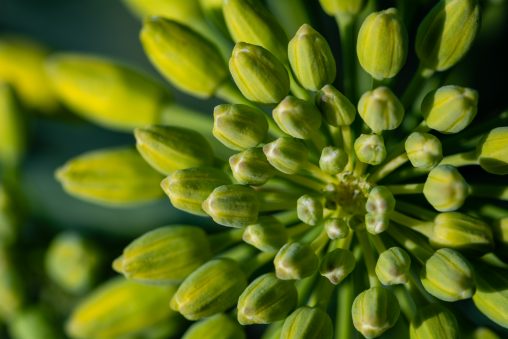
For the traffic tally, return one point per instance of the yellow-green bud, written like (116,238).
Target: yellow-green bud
(493,151)
(251,167)
(376,223)
(445,188)
(393,266)
(181,11)
(171,148)
(380,109)
(286,154)
(423,150)
(267,234)
(117,177)
(212,288)
(266,300)
(217,326)
(12,132)
(9,218)
(446,33)
(448,276)
(380,201)
(382,44)
(342,7)
(337,109)
(491,296)
(336,228)
(189,61)
(337,264)
(297,117)
(309,209)
(311,58)
(307,322)
(259,75)
(232,205)
(33,323)
(12,290)
(483,333)
(333,160)
(374,311)
(434,321)
(165,255)
(295,261)
(239,127)
(370,149)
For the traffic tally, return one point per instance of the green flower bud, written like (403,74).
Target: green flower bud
(380,201)
(286,154)
(423,150)
(170,148)
(491,296)
(165,255)
(376,223)
(189,61)
(217,326)
(117,177)
(393,266)
(493,151)
(213,288)
(267,234)
(239,127)
(311,58)
(307,322)
(445,188)
(297,117)
(434,321)
(12,133)
(232,205)
(374,311)
(446,33)
(333,160)
(33,323)
(337,264)
(181,11)
(309,209)
(266,300)
(342,7)
(336,228)
(9,218)
(187,189)
(336,108)
(448,276)
(251,167)
(382,44)
(370,149)
(259,75)
(450,109)
(295,261)
(483,333)
(12,291)
(380,109)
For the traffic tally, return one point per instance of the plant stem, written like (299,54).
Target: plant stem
(490,191)
(346,25)
(368,256)
(411,242)
(406,189)
(420,226)
(388,167)
(221,241)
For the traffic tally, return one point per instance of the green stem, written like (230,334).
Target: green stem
(276,201)
(416,211)
(490,191)
(305,287)
(302,181)
(378,243)
(406,303)
(461,159)
(317,173)
(321,294)
(345,297)
(348,140)
(297,231)
(420,226)
(230,93)
(411,242)
(256,262)
(240,253)
(221,241)
(320,241)
(287,217)
(346,25)
(368,256)
(388,167)
(406,189)
(494,212)
(297,90)
(415,87)
(290,13)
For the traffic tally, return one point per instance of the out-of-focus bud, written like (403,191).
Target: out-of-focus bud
(238,126)
(446,33)
(181,11)
(336,108)
(295,261)
(267,234)
(493,151)
(380,201)
(165,255)
(374,311)
(217,326)
(12,293)
(12,133)
(33,323)
(266,300)
(342,7)
(337,265)
(116,177)
(376,223)
(370,148)
(423,150)
(286,154)
(251,167)
(307,322)
(483,333)
(171,148)
(382,44)
(212,288)
(380,109)
(259,75)
(333,160)
(297,117)
(434,321)
(491,296)
(9,219)
(185,58)
(336,228)
(448,276)
(393,266)
(445,188)
(309,209)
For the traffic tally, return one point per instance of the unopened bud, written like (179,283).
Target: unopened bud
(297,117)
(445,188)
(380,109)
(423,150)
(337,109)
(370,149)
(295,261)
(337,265)
(393,266)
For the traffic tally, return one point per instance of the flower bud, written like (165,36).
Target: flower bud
(374,311)
(297,117)
(171,148)
(187,189)
(12,132)
(336,228)
(491,296)
(12,290)
(370,149)
(380,201)
(217,326)
(382,44)
(493,151)
(213,288)
(33,323)
(9,218)
(380,109)
(239,127)
(376,223)
(445,188)
(434,321)
(181,11)
(393,266)
(267,234)
(251,167)
(232,205)
(311,58)
(446,33)
(189,61)
(423,150)
(259,75)
(266,300)
(450,109)
(286,154)
(336,108)
(307,322)
(333,160)
(483,333)
(337,265)
(295,261)
(117,177)
(342,7)
(309,209)
(448,276)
